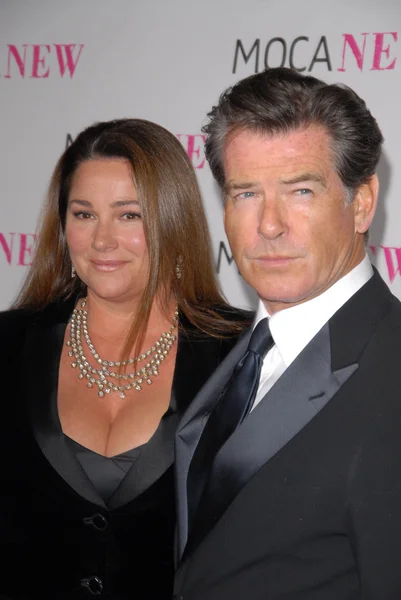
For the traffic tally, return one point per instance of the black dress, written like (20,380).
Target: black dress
(152,529)
(69,530)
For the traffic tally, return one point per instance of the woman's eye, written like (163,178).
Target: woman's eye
(82,215)
(131,216)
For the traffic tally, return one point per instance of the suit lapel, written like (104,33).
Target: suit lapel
(41,354)
(300,393)
(191,427)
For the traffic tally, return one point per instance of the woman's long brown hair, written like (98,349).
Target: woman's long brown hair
(174,223)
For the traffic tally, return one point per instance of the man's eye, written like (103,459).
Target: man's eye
(303,192)
(245,195)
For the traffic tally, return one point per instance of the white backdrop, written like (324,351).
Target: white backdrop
(65,65)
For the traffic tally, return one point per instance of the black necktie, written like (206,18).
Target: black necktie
(233,406)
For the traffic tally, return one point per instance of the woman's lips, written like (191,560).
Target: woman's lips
(108,265)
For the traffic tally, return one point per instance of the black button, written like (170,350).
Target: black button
(94,585)
(98,521)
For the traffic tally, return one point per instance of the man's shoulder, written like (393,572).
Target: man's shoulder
(379,294)
(374,297)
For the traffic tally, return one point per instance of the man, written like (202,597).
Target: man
(289,479)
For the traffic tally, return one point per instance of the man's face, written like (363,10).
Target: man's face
(291,232)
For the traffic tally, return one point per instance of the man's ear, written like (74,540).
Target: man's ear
(365,202)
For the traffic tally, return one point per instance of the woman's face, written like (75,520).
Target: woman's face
(104,230)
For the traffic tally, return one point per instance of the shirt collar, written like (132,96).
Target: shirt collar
(293,328)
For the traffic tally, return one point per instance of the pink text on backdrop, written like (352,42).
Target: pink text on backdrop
(17,248)
(383,54)
(40,61)
(194,145)
(392,258)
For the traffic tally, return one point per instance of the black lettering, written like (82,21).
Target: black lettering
(229,257)
(284,56)
(69,140)
(301,38)
(326,58)
(255,48)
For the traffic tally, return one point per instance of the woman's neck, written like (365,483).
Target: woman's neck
(111,321)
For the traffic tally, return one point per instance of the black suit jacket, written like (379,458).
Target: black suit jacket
(56,533)
(304,500)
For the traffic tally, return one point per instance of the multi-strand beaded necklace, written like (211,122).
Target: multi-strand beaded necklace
(108,370)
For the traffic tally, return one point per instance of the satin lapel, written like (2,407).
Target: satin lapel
(41,355)
(300,393)
(191,426)
(155,458)
(197,358)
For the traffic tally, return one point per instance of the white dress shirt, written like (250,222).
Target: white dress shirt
(293,328)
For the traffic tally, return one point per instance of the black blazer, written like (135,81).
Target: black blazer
(304,500)
(58,539)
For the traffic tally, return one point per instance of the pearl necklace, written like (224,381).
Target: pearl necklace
(100,377)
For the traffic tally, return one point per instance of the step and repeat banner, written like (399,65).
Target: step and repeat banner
(65,65)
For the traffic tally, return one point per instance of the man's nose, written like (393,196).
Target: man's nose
(273,219)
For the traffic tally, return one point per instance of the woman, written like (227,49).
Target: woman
(96,379)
